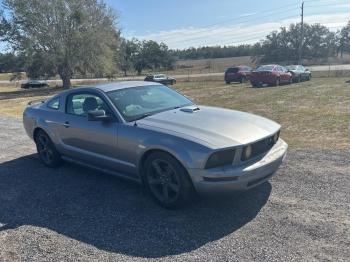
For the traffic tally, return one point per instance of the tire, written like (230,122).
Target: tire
(254,84)
(47,152)
(290,81)
(299,79)
(228,82)
(167,181)
(308,78)
(243,80)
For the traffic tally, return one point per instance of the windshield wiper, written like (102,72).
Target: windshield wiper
(141,117)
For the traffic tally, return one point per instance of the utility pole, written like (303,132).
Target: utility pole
(301,34)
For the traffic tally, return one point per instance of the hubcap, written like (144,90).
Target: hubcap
(44,149)
(163,181)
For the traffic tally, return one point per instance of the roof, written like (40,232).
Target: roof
(124,84)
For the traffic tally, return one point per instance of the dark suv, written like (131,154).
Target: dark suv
(238,74)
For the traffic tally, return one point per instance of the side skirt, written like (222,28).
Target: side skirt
(103,170)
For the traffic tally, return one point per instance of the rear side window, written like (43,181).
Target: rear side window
(54,103)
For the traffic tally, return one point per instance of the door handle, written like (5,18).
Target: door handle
(66,124)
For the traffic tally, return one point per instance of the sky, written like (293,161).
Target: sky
(184,23)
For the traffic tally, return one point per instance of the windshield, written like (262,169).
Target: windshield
(292,67)
(265,68)
(135,102)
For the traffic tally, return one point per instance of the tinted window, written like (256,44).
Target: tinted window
(54,103)
(82,103)
(232,70)
(265,68)
(136,101)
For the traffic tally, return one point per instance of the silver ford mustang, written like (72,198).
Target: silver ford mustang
(149,133)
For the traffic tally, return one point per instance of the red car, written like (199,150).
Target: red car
(237,74)
(270,75)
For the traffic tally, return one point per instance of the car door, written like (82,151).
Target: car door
(93,142)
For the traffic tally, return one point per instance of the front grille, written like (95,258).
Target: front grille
(260,147)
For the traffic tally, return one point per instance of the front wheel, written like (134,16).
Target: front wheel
(46,150)
(167,180)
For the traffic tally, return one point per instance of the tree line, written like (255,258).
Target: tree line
(81,38)
(282,45)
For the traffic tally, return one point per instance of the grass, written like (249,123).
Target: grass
(313,114)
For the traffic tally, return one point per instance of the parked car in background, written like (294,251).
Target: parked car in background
(153,135)
(161,78)
(273,75)
(299,73)
(238,74)
(34,84)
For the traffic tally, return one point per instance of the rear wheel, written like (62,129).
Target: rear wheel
(46,150)
(167,180)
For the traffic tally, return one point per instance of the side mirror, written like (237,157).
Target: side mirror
(98,115)
(307,69)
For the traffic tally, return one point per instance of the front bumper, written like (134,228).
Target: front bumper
(242,177)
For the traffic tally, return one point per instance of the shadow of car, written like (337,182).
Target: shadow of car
(114,215)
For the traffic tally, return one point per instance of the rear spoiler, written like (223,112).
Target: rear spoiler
(36,102)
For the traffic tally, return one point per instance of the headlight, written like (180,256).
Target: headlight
(221,158)
(247,152)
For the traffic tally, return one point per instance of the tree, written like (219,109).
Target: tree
(69,36)
(345,39)
(318,42)
(149,54)
(126,53)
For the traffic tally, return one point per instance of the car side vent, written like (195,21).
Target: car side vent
(190,109)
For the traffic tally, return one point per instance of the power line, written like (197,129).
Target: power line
(240,23)
(251,36)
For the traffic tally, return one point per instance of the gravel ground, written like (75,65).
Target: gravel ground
(76,214)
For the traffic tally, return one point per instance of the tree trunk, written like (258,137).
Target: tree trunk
(65,74)
(66,81)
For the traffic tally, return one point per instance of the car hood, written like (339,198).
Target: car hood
(211,126)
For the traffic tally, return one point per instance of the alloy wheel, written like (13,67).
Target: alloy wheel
(45,150)
(163,181)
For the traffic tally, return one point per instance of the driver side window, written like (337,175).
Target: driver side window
(80,104)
